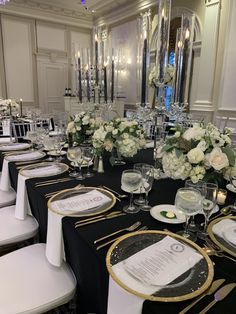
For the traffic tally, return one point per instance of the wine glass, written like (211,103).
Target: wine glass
(148,177)
(88,157)
(201,187)
(130,181)
(32,137)
(189,202)
(48,143)
(79,161)
(140,200)
(72,154)
(209,202)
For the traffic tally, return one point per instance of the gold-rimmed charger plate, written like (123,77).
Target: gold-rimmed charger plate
(14,147)
(70,193)
(222,239)
(187,286)
(56,169)
(17,156)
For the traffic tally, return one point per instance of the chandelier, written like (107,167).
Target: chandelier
(4,1)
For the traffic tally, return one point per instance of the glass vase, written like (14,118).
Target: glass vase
(116,158)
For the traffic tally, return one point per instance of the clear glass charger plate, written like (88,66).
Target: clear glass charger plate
(224,234)
(18,157)
(190,284)
(70,193)
(14,146)
(44,169)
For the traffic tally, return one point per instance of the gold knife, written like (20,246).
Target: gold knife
(99,219)
(219,295)
(215,285)
(96,217)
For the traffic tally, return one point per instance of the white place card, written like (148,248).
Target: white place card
(226,229)
(48,170)
(25,156)
(156,266)
(81,202)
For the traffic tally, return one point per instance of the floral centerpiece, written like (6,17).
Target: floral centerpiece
(121,135)
(199,152)
(9,107)
(82,126)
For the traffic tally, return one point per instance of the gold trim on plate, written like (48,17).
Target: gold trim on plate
(188,296)
(212,235)
(73,214)
(43,163)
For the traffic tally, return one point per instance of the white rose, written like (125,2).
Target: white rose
(177,134)
(202,145)
(70,126)
(195,155)
(195,133)
(217,159)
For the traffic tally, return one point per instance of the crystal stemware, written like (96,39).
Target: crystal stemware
(140,200)
(130,181)
(79,162)
(148,177)
(72,154)
(189,202)
(201,187)
(209,202)
(32,137)
(88,157)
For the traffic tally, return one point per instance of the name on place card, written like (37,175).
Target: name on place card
(81,202)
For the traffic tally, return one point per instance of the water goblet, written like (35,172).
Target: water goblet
(189,202)
(148,177)
(209,202)
(130,181)
(72,154)
(79,161)
(32,137)
(201,187)
(88,157)
(140,200)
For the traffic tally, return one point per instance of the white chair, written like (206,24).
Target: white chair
(21,128)
(30,284)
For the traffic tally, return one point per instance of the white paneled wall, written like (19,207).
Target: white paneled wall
(51,37)
(52,79)
(18,52)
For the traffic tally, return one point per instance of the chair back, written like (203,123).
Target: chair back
(20,128)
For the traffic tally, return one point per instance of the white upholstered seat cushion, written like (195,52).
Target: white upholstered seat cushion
(30,284)
(7,198)
(13,230)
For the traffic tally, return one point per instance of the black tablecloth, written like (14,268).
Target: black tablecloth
(89,265)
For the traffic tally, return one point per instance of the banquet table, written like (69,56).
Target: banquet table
(89,264)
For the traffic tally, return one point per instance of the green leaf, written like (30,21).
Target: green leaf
(230,155)
(178,152)
(167,148)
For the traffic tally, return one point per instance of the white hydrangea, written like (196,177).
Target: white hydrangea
(128,147)
(174,167)
(197,173)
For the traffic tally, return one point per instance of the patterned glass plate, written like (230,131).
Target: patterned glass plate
(186,285)
(222,232)
(14,146)
(25,156)
(71,194)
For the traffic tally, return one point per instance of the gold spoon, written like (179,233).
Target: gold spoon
(224,211)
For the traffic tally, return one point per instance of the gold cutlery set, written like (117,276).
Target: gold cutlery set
(94,219)
(218,296)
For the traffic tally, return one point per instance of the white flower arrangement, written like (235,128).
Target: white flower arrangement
(168,75)
(82,126)
(126,136)
(200,152)
(8,106)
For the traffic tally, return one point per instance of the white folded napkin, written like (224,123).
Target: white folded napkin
(25,156)
(5,183)
(22,201)
(40,171)
(14,146)
(226,229)
(157,265)
(81,202)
